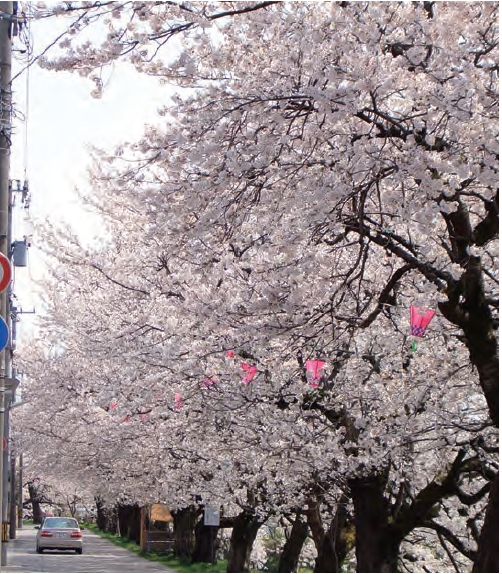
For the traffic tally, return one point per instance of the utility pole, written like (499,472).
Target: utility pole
(12,502)
(6,10)
(20,493)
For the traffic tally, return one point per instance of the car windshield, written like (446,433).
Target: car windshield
(60,523)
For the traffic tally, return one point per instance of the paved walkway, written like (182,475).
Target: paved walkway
(99,555)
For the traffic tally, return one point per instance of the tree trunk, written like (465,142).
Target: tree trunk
(125,513)
(184,532)
(487,558)
(475,318)
(205,543)
(246,526)
(377,549)
(135,524)
(334,544)
(290,555)
(338,541)
(106,519)
(38,515)
(102,514)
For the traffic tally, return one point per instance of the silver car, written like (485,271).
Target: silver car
(59,533)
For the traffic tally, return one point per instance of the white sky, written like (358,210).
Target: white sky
(62,120)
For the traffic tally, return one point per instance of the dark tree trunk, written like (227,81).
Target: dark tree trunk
(205,543)
(246,526)
(290,555)
(106,519)
(125,513)
(102,514)
(487,558)
(337,542)
(184,532)
(377,549)
(334,544)
(38,515)
(129,521)
(474,317)
(135,524)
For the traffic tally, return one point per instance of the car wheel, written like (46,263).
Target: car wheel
(78,550)
(39,550)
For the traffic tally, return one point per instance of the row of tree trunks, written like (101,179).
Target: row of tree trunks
(129,521)
(377,538)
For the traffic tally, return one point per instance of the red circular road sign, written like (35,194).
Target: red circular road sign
(5,272)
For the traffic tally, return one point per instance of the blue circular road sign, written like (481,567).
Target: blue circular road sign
(4,334)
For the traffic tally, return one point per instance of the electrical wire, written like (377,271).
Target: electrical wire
(25,37)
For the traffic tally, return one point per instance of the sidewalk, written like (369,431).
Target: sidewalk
(19,558)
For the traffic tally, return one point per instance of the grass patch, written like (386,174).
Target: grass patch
(167,560)
(179,566)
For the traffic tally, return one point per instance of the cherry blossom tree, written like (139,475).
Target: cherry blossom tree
(291,208)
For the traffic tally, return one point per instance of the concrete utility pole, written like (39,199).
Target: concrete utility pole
(12,502)
(20,493)
(6,9)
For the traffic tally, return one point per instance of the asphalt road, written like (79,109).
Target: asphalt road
(99,556)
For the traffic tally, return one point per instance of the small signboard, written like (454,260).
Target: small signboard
(211,516)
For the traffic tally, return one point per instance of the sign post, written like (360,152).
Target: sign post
(212,519)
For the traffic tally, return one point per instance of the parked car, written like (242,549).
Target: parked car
(59,533)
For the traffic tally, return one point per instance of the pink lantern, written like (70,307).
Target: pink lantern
(178,401)
(250,371)
(230,354)
(419,319)
(314,366)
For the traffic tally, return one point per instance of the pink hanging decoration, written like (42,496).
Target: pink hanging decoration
(127,420)
(250,371)
(113,405)
(419,319)
(178,401)
(230,354)
(314,366)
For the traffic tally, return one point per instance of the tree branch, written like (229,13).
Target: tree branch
(452,539)
(385,296)
(143,292)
